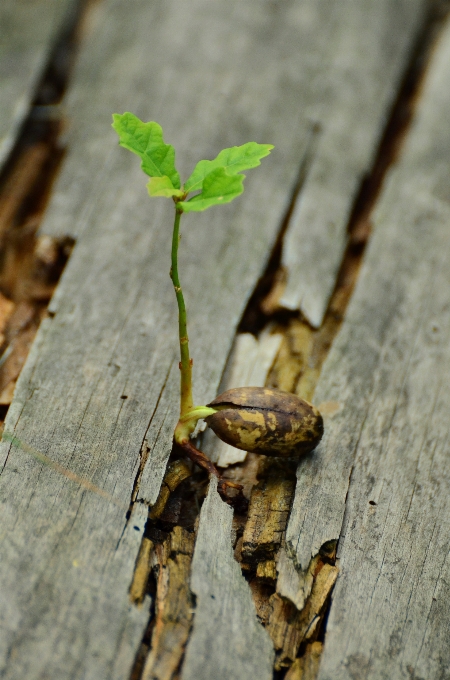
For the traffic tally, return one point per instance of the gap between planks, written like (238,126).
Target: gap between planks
(55,307)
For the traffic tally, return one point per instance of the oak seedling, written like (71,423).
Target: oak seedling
(266,421)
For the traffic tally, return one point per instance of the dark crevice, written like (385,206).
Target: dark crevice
(31,264)
(144,452)
(184,503)
(179,513)
(399,121)
(262,310)
(258,310)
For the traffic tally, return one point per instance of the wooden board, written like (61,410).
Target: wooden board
(350,97)
(380,481)
(225,616)
(95,408)
(101,384)
(28,33)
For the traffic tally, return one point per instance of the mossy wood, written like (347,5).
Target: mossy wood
(89,431)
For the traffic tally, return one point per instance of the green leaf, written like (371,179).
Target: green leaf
(218,187)
(146,140)
(162,186)
(233,160)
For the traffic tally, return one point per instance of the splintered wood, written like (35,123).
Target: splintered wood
(268,512)
(289,627)
(174,606)
(109,568)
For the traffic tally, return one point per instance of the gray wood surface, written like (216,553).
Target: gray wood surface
(381,478)
(227,640)
(364,54)
(27,34)
(102,383)
(95,407)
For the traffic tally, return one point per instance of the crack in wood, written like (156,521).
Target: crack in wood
(298,367)
(263,307)
(303,352)
(145,450)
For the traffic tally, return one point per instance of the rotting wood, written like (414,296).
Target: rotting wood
(267,513)
(289,628)
(177,472)
(141,572)
(163,420)
(306,667)
(174,606)
(29,31)
(293,584)
(223,603)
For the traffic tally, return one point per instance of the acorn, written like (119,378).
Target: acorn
(267,421)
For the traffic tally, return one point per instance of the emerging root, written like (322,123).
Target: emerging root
(238,500)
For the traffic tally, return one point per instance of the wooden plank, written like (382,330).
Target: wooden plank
(368,49)
(28,33)
(100,391)
(98,398)
(227,640)
(343,62)
(380,481)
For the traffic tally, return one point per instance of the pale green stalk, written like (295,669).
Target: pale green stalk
(186,401)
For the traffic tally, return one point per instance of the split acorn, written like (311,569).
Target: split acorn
(267,421)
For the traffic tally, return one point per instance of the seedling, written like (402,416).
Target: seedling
(255,419)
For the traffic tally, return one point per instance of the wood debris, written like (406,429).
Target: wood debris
(177,472)
(290,628)
(307,666)
(174,605)
(268,512)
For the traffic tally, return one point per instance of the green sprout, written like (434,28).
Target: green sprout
(211,183)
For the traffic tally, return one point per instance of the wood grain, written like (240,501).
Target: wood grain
(227,640)
(381,479)
(98,396)
(367,50)
(99,393)
(28,33)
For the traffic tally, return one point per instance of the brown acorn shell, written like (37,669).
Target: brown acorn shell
(267,421)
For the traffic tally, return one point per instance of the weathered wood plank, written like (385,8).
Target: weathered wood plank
(27,35)
(101,385)
(368,48)
(227,640)
(386,435)
(343,62)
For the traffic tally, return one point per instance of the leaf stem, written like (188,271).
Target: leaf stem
(186,401)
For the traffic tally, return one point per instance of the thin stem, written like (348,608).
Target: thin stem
(186,402)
